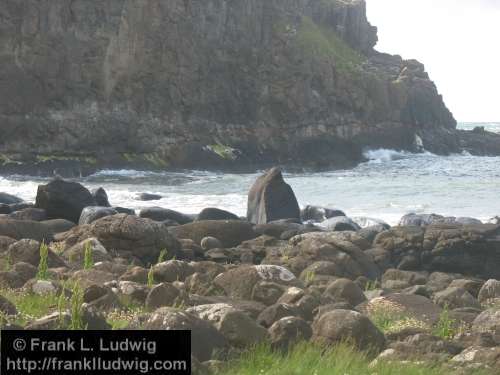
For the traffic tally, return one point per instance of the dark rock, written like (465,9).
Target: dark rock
(229,232)
(172,270)
(270,198)
(275,312)
(343,290)
(161,295)
(205,339)
(136,274)
(39,231)
(101,197)
(319,214)
(339,223)
(288,331)
(92,213)
(345,325)
(7,307)
(163,214)
(101,297)
(63,200)
(420,220)
(215,214)
(32,214)
(28,251)
(9,199)
(148,197)
(123,210)
(93,319)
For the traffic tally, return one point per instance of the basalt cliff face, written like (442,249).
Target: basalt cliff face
(206,83)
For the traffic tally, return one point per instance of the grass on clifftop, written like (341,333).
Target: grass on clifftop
(320,41)
(307,359)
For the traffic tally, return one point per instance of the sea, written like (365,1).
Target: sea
(389,185)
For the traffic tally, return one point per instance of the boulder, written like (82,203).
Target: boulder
(6,198)
(209,243)
(101,297)
(235,325)
(101,197)
(271,198)
(489,291)
(135,274)
(239,282)
(7,307)
(488,322)
(63,199)
(92,213)
(275,312)
(318,214)
(164,294)
(229,232)
(343,290)
(345,325)
(172,270)
(39,231)
(212,213)
(86,278)
(164,214)
(205,338)
(453,297)
(28,251)
(420,220)
(128,235)
(76,253)
(287,331)
(148,197)
(93,319)
(399,279)
(339,223)
(31,214)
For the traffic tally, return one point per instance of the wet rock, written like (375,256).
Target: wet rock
(271,198)
(63,200)
(164,214)
(101,197)
(31,214)
(205,339)
(212,213)
(229,232)
(148,197)
(91,214)
(339,224)
(345,325)
(319,214)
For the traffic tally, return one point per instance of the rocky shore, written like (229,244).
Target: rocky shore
(425,291)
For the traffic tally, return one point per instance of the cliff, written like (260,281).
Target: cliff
(205,83)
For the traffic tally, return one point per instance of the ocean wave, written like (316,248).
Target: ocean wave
(383,155)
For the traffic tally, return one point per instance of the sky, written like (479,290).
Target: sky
(457,40)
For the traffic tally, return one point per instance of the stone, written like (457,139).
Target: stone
(271,198)
(239,282)
(288,331)
(209,243)
(76,253)
(212,213)
(164,214)
(205,338)
(148,197)
(92,213)
(28,251)
(267,292)
(275,312)
(93,319)
(172,270)
(235,325)
(346,325)
(488,321)
(101,297)
(137,292)
(453,297)
(53,321)
(343,290)
(43,287)
(90,277)
(7,307)
(420,219)
(63,199)
(30,214)
(39,231)
(339,223)
(229,232)
(101,197)
(129,236)
(318,214)
(136,274)
(400,279)
(489,291)
(164,294)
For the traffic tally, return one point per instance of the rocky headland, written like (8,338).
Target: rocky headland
(93,84)
(424,292)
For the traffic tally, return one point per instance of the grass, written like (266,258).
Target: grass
(446,327)
(43,266)
(151,277)
(163,256)
(76,309)
(88,259)
(390,317)
(307,359)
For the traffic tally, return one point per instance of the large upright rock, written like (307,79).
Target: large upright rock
(271,198)
(63,199)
